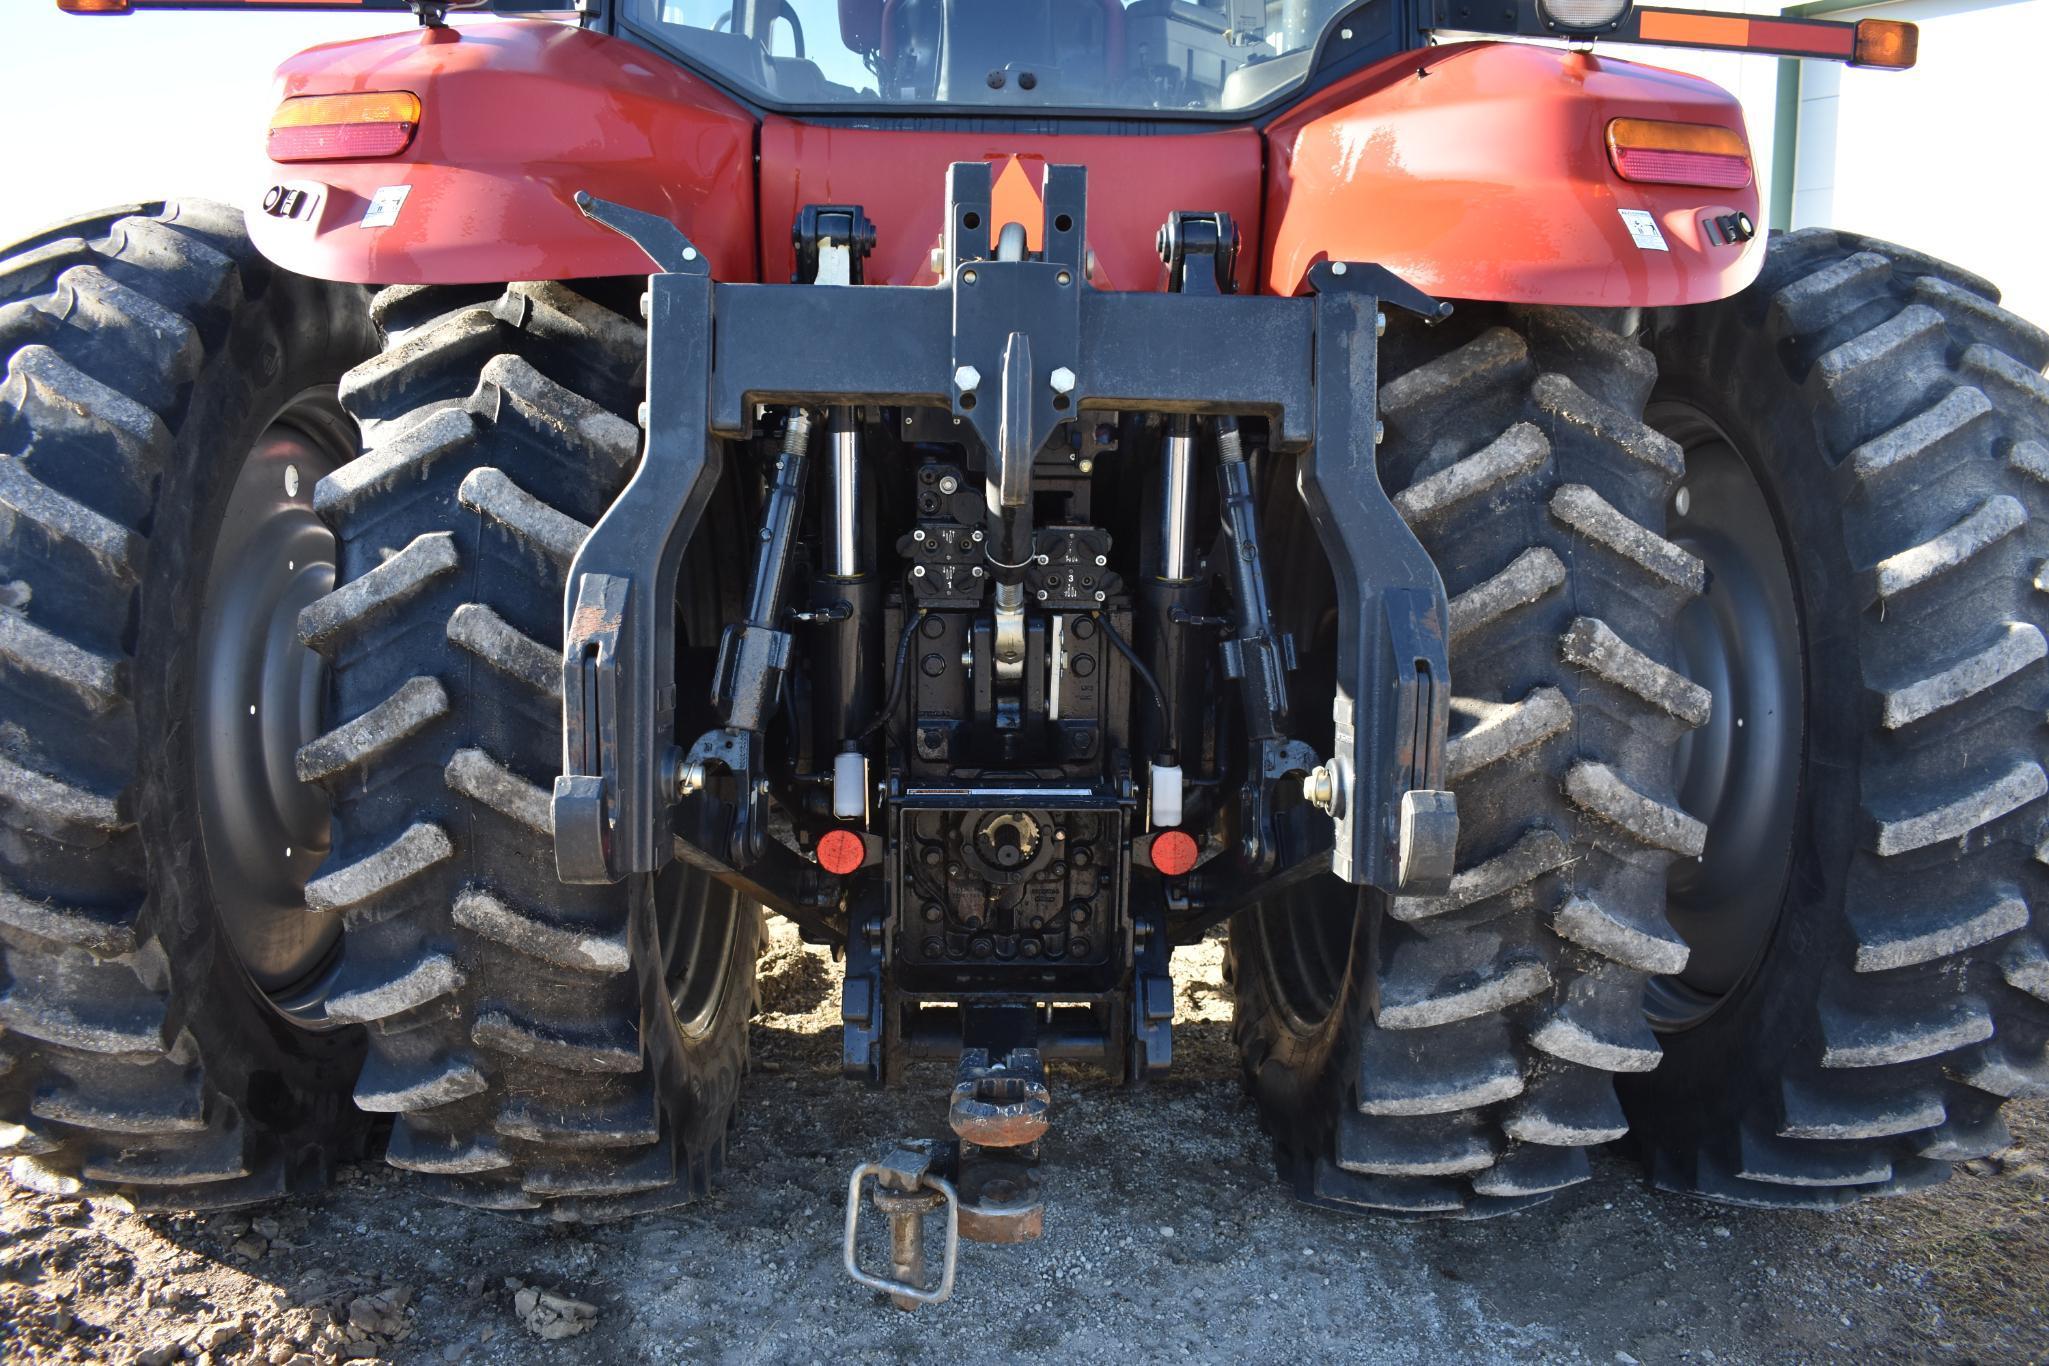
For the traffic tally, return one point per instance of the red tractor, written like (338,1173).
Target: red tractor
(1010,488)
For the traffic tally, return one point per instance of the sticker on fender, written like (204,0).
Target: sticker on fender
(1643,229)
(385,204)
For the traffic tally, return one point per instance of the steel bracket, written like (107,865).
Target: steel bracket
(1306,365)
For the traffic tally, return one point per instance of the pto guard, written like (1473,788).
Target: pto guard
(517,115)
(1480,171)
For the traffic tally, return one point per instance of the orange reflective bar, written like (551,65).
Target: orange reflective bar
(1806,39)
(1707,30)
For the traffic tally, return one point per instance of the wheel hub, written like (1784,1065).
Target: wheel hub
(1740,773)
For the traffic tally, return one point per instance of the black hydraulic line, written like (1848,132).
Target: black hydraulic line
(896,682)
(1145,676)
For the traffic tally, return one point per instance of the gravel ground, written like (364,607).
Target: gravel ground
(1166,1237)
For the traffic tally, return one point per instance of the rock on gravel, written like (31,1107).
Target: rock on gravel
(551,1316)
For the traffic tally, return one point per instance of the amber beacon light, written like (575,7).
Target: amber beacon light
(1886,43)
(344,127)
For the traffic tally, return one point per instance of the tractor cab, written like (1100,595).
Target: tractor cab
(1201,56)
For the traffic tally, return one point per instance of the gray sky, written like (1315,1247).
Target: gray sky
(103,110)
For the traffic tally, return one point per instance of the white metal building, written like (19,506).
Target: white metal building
(1948,158)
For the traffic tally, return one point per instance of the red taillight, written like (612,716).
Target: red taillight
(840,852)
(344,127)
(1681,168)
(1655,152)
(1174,852)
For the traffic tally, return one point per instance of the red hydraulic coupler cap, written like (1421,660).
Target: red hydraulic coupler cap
(1173,852)
(840,852)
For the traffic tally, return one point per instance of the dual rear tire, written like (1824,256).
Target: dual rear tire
(1747,619)
(1747,631)
(279,720)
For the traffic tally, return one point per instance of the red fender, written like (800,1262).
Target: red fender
(1480,171)
(516,116)
(1475,171)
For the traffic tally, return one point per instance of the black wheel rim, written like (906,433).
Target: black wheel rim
(1306,933)
(703,919)
(257,698)
(1306,946)
(1739,773)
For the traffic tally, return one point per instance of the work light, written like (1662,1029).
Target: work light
(1582,16)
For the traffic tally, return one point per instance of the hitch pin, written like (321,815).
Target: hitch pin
(906,1190)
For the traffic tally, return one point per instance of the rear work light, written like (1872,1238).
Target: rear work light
(1582,16)
(1651,151)
(344,127)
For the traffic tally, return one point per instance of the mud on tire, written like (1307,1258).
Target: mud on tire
(1458,1054)
(148,350)
(527,1036)
(1897,423)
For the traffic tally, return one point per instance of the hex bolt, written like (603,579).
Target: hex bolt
(689,779)
(1379,432)
(967,379)
(1322,787)
(1379,323)
(1062,380)
(1682,501)
(949,484)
